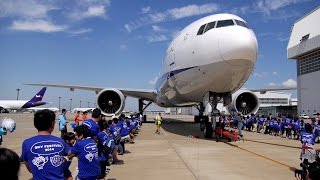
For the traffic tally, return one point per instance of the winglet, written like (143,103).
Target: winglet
(39,95)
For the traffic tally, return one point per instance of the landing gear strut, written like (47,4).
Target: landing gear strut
(141,108)
(205,125)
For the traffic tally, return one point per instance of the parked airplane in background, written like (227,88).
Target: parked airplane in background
(23,104)
(75,110)
(209,61)
(35,109)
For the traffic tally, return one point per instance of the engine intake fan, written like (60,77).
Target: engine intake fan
(244,102)
(111,101)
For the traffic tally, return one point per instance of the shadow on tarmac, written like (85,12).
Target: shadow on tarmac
(183,128)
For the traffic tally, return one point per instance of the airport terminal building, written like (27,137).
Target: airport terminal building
(304,47)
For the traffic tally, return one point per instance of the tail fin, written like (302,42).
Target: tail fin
(39,95)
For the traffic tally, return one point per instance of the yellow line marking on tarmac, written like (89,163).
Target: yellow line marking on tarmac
(272,144)
(259,155)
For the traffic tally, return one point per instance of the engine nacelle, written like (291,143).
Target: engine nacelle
(111,101)
(244,102)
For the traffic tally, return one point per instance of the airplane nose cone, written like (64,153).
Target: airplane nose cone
(240,45)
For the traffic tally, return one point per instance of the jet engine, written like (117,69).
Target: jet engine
(111,101)
(244,102)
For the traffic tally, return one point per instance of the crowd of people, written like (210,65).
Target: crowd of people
(291,127)
(95,142)
(288,126)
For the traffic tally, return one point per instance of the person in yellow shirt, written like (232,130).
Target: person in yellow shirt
(158,123)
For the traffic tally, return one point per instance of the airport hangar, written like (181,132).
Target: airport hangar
(304,46)
(273,102)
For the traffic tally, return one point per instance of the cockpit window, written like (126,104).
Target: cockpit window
(225,23)
(209,26)
(241,23)
(201,30)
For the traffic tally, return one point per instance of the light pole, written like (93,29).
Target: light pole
(88,105)
(59,103)
(94,105)
(70,104)
(18,90)
(80,104)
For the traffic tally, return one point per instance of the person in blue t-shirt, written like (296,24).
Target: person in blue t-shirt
(296,127)
(69,138)
(44,154)
(260,123)
(308,152)
(124,132)
(115,131)
(105,146)
(103,151)
(86,150)
(92,123)
(63,122)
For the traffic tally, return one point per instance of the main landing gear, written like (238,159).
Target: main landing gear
(141,108)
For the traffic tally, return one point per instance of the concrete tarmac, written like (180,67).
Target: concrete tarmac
(174,155)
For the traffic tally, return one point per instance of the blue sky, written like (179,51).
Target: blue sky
(121,43)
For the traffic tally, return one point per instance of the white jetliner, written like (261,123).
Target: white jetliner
(35,109)
(23,104)
(208,61)
(75,110)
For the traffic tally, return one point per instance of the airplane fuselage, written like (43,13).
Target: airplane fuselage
(19,104)
(218,59)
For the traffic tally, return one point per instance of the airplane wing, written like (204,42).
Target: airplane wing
(263,91)
(144,94)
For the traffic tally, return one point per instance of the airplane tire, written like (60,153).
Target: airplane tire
(203,120)
(197,119)
(208,130)
(217,138)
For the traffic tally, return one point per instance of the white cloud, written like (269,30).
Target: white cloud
(157,17)
(153,81)
(157,28)
(95,11)
(80,31)
(145,10)
(261,75)
(282,37)
(270,9)
(274,73)
(128,27)
(36,26)
(192,10)
(156,38)
(123,46)
(273,84)
(172,14)
(290,83)
(88,9)
(25,9)
(272,5)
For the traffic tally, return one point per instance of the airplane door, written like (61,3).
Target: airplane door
(172,62)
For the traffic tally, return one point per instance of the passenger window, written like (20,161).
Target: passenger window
(209,26)
(201,30)
(241,23)
(225,23)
